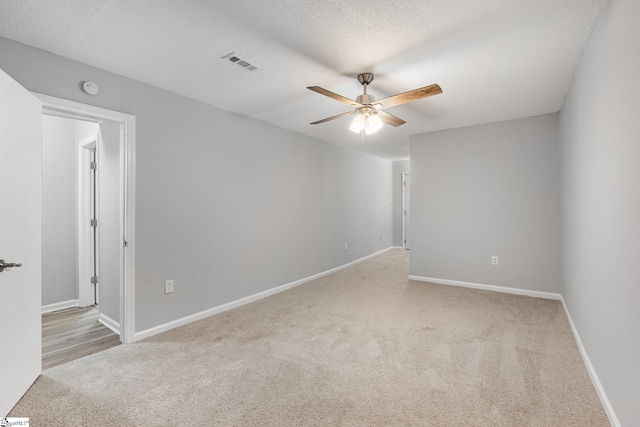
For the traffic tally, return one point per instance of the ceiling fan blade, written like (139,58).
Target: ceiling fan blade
(335,96)
(390,119)
(334,117)
(412,95)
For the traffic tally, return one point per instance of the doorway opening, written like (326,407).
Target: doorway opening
(100,145)
(71,244)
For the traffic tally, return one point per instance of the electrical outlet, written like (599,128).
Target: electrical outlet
(346,247)
(494,260)
(168,286)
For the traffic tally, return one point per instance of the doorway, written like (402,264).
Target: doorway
(75,268)
(103,152)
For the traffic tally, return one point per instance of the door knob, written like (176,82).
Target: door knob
(8,265)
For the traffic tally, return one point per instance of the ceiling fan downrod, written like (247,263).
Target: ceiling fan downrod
(365,79)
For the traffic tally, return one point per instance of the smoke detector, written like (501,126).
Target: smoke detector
(90,88)
(239,61)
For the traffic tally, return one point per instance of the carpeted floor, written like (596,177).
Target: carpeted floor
(362,347)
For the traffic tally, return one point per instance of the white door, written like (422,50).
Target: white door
(20,241)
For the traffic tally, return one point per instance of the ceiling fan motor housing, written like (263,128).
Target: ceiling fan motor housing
(365,99)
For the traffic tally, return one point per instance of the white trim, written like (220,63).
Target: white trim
(128,290)
(109,323)
(246,300)
(516,291)
(59,306)
(65,108)
(404,207)
(613,419)
(85,235)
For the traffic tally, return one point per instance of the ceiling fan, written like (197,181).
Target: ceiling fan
(370,115)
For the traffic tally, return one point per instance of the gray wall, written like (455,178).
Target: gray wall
(487,190)
(227,206)
(399,167)
(59,211)
(109,220)
(599,134)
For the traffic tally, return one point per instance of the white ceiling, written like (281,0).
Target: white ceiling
(494,59)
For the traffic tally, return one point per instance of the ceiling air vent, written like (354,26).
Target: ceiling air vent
(240,62)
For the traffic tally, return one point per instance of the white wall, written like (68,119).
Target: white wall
(599,134)
(227,206)
(487,190)
(399,167)
(59,212)
(85,129)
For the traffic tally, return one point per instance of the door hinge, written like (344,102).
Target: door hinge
(94,223)
(405,241)
(94,279)
(405,211)
(94,165)
(126,244)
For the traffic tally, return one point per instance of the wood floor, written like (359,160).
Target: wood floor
(73,333)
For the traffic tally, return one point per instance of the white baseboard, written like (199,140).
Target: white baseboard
(242,301)
(516,291)
(613,419)
(109,323)
(60,306)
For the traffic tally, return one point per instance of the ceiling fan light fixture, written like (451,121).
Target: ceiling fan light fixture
(369,110)
(358,123)
(373,124)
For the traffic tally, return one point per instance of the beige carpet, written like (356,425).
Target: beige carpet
(362,347)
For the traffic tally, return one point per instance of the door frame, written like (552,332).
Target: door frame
(75,110)
(86,246)
(404,207)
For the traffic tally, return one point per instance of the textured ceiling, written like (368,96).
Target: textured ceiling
(494,59)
